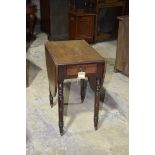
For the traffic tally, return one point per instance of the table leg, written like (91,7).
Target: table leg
(60,106)
(96,105)
(83,89)
(50,98)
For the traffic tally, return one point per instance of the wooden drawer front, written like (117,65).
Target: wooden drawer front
(85,27)
(88,69)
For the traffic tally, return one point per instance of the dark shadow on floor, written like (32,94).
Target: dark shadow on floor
(78,107)
(31,72)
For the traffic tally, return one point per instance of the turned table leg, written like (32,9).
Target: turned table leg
(50,98)
(83,89)
(96,105)
(60,106)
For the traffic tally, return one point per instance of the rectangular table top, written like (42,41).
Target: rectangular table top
(72,52)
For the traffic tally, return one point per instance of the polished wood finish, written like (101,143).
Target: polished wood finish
(73,52)
(122,53)
(64,60)
(51,70)
(81,20)
(81,26)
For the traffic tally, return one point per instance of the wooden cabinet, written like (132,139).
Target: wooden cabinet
(81,26)
(122,53)
(106,18)
(81,20)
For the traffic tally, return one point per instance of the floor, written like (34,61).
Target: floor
(80,138)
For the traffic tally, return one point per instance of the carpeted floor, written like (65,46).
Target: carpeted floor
(80,138)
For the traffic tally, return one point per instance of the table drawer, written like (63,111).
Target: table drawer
(88,69)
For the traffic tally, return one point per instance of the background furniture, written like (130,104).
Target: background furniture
(64,19)
(54,18)
(81,26)
(65,59)
(122,53)
(81,20)
(30,20)
(106,18)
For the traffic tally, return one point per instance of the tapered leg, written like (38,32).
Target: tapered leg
(60,106)
(83,89)
(50,98)
(96,105)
